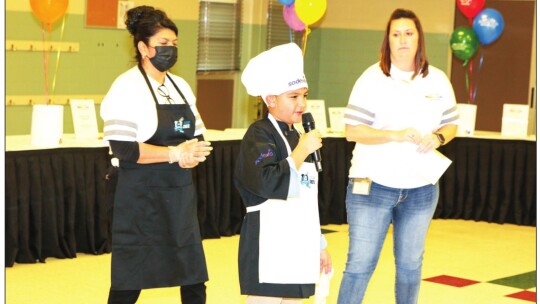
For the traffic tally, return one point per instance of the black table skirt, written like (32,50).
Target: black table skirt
(489,180)
(57,200)
(55,204)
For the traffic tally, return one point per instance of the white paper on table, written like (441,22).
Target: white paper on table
(515,120)
(431,166)
(83,112)
(336,115)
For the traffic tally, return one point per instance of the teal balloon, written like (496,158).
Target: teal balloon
(464,43)
(286,2)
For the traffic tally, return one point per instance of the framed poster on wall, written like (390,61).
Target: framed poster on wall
(107,13)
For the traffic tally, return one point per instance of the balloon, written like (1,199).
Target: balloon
(488,25)
(48,11)
(470,8)
(464,43)
(310,11)
(292,20)
(286,2)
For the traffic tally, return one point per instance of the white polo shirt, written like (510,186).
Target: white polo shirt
(396,103)
(129,112)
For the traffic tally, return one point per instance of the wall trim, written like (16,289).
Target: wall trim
(28,100)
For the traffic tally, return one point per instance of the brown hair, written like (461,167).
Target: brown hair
(421,63)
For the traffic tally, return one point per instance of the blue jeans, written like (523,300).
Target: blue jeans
(410,211)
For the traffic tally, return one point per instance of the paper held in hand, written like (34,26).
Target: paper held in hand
(431,166)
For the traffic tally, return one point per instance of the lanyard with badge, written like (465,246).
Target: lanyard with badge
(361,186)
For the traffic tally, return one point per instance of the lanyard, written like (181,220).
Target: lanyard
(274,122)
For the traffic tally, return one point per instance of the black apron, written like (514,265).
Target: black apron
(156,238)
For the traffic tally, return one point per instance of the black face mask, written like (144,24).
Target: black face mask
(165,57)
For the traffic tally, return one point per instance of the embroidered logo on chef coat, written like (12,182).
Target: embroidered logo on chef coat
(306,181)
(263,156)
(181,124)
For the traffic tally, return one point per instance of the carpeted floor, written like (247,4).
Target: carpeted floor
(465,262)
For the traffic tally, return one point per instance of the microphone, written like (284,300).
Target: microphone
(309,124)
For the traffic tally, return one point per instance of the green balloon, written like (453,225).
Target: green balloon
(464,42)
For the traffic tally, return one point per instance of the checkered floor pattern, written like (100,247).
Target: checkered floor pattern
(522,281)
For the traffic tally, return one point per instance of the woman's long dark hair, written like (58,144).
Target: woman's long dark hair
(421,63)
(144,22)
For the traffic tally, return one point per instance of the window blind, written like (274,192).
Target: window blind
(278,32)
(219,35)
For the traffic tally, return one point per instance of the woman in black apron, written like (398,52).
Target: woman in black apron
(156,238)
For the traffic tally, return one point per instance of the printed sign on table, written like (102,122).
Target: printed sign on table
(83,112)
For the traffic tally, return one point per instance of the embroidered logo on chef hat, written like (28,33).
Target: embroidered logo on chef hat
(275,71)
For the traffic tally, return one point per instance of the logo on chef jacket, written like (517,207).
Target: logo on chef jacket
(263,156)
(306,181)
(181,124)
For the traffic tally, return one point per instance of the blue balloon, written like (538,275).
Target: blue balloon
(286,2)
(488,25)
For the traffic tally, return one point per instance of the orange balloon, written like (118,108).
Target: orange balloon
(48,11)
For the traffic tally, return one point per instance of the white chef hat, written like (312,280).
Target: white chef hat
(276,71)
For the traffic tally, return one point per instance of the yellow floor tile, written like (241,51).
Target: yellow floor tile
(467,249)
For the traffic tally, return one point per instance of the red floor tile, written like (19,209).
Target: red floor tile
(452,281)
(524,295)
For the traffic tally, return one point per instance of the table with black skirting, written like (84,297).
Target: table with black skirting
(58,201)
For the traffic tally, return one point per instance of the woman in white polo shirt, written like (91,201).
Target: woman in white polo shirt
(400,109)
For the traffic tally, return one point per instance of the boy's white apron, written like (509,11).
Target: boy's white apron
(289,240)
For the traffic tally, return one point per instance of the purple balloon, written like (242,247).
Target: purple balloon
(291,18)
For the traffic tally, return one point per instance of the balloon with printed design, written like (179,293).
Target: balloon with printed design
(464,43)
(48,11)
(310,11)
(470,8)
(488,25)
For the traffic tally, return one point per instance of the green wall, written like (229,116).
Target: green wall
(344,54)
(103,55)
(334,59)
